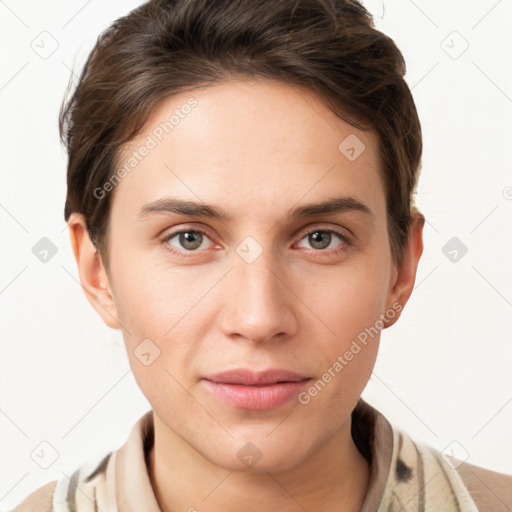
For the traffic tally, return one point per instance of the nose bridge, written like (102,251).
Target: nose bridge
(257,305)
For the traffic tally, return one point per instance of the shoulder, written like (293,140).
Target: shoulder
(491,491)
(95,479)
(39,500)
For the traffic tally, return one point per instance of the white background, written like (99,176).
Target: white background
(444,370)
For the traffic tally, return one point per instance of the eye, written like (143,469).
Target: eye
(320,239)
(187,240)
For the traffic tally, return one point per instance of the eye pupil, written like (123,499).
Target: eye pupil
(318,237)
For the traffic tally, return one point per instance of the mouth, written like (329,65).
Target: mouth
(252,378)
(245,389)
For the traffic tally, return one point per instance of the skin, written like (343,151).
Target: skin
(256,149)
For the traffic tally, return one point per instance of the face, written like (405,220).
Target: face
(264,283)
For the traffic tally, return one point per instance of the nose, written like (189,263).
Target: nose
(258,305)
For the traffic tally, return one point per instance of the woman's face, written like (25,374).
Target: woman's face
(268,282)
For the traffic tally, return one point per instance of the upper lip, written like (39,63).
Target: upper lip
(250,377)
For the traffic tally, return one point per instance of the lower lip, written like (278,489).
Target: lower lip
(256,398)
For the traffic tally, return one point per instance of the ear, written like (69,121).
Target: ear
(406,272)
(91,270)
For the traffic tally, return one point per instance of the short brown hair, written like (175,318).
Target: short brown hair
(163,47)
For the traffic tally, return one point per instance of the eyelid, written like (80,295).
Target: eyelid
(340,231)
(184,228)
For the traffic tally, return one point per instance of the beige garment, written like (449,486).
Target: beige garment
(404,474)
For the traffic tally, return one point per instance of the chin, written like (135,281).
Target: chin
(260,456)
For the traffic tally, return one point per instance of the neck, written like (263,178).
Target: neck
(334,478)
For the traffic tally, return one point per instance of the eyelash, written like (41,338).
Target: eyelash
(333,252)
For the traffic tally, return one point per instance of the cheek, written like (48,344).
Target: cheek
(351,299)
(356,325)
(150,299)
(346,355)
(350,306)
(360,306)
(157,343)
(163,321)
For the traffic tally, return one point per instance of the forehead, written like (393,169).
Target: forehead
(248,142)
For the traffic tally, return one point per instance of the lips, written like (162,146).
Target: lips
(246,389)
(251,378)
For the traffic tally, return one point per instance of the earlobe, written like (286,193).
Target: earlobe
(405,274)
(91,270)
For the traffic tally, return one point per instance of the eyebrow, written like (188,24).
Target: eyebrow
(195,209)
